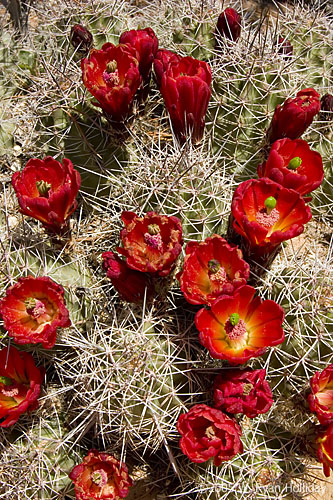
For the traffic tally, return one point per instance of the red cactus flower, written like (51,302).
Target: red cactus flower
(229,24)
(161,63)
(285,47)
(293,165)
(81,38)
(265,214)
(294,116)
(240,327)
(33,309)
(185,88)
(112,76)
(211,268)
(324,443)
(46,190)
(131,285)
(209,433)
(100,477)
(243,391)
(145,43)
(151,244)
(20,382)
(321,398)
(326,107)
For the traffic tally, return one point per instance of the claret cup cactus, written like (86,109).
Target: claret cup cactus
(167,183)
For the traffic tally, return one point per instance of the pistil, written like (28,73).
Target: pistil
(43,188)
(99,477)
(295,163)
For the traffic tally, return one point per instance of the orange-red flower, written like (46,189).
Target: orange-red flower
(293,165)
(261,225)
(243,391)
(131,285)
(100,477)
(212,268)
(209,433)
(46,190)
(324,443)
(185,88)
(294,116)
(112,76)
(321,398)
(145,43)
(33,309)
(229,24)
(151,244)
(20,382)
(162,60)
(240,327)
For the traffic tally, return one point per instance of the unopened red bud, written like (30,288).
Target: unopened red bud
(326,107)
(285,47)
(81,38)
(229,24)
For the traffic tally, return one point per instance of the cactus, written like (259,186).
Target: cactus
(127,371)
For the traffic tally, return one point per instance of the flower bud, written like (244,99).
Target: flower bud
(228,24)
(326,107)
(81,38)
(284,47)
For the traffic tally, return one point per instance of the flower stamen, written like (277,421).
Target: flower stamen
(235,331)
(210,432)
(35,307)
(154,241)
(111,74)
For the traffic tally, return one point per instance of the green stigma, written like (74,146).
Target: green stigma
(295,163)
(43,188)
(153,229)
(270,203)
(214,266)
(234,319)
(5,380)
(30,303)
(111,66)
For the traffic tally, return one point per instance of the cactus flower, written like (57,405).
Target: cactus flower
(324,443)
(100,477)
(321,398)
(20,382)
(243,391)
(151,244)
(145,43)
(33,309)
(112,76)
(81,38)
(185,88)
(293,165)
(240,327)
(162,60)
(229,24)
(46,190)
(132,286)
(294,116)
(212,268)
(208,433)
(264,228)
